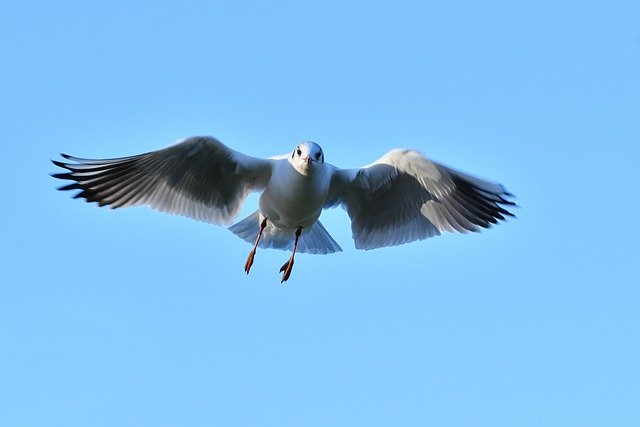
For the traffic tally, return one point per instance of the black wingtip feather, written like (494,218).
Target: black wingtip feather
(60,164)
(62,175)
(74,186)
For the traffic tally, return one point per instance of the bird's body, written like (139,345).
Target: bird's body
(300,201)
(401,197)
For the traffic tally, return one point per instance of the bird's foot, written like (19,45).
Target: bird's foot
(286,267)
(249,263)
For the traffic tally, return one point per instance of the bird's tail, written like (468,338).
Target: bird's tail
(313,240)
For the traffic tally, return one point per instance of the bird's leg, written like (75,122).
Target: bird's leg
(288,266)
(252,254)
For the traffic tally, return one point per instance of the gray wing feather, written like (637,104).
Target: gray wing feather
(198,177)
(404,196)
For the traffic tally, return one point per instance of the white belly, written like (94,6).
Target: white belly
(292,199)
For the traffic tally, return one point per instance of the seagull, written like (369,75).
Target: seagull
(401,197)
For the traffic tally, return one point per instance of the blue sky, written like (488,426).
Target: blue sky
(133,317)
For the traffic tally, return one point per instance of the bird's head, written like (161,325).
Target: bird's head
(306,157)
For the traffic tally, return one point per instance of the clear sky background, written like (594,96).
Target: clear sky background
(133,317)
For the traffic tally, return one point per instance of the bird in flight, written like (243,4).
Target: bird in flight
(399,198)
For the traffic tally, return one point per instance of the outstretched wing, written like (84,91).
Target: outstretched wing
(199,177)
(404,196)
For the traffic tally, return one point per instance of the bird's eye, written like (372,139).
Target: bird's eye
(298,152)
(318,156)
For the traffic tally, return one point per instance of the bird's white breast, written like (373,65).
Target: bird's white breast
(292,199)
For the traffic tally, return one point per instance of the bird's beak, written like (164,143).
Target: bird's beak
(308,160)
